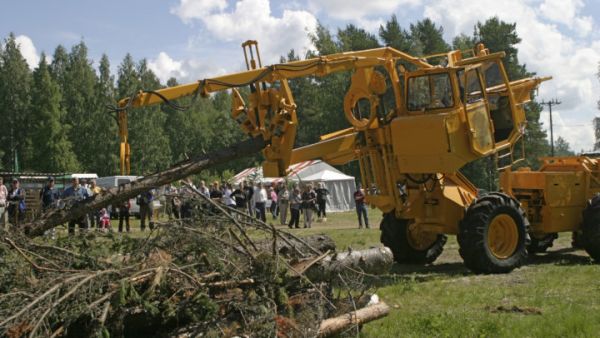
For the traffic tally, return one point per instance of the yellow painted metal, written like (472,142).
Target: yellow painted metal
(408,154)
(502,236)
(329,150)
(555,195)
(419,238)
(124,149)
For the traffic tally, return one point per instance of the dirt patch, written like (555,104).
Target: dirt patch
(514,309)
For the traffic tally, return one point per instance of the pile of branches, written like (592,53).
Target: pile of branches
(219,273)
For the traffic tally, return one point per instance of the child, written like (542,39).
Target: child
(104,219)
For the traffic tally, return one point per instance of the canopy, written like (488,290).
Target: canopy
(341,186)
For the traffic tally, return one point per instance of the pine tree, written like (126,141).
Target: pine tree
(353,38)
(323,41)
(79,102)
(395,36)
(562,147)
(15,101)
(52,150)
(463,42)
(497,36)
(428,38)
(127,78)
(58,68)
(181,128)
(106,159)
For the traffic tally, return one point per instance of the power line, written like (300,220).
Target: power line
(553,102)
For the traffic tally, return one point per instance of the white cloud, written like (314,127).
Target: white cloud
(194,9)
(251,19)
(358,9)
(567,12)
(571,59)
(165,67)
(28,50)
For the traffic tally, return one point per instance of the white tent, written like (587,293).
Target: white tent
(341,186)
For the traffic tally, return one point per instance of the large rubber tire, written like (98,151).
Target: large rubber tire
(474,229)
(394,235)
(540,245)
(577,240)
(591,228)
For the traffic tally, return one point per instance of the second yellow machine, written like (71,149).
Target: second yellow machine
(411,126)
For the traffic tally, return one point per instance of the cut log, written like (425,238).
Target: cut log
(374,261)
(132,189)
(335,325)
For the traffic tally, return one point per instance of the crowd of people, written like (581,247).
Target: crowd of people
(259,199)
(286,203)
(13,205)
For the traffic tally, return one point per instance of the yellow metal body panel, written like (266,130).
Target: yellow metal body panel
(554,197)
(430,143)
(440,209)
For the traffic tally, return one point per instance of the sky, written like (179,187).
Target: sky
(194,39)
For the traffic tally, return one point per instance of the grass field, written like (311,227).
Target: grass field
(555,295)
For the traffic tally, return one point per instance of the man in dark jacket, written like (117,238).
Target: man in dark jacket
(248,190)
(74,194)
(145,203)
(240,198)
(16,203)
(48,195)
(361,209)
(322,194)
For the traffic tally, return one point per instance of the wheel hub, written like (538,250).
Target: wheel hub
(420,240)
(503,236)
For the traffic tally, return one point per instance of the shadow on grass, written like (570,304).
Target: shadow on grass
(404,273)
(565,256)
(410,274)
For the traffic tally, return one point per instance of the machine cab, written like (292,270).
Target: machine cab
(477,90)
(456,114)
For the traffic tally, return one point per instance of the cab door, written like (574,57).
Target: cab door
(473,97)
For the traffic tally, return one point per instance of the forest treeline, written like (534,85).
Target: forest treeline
(55,118)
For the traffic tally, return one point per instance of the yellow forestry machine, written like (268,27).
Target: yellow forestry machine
(412,126)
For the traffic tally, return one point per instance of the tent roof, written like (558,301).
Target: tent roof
(316,170)
(328,175)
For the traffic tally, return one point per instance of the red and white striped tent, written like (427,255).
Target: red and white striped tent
(340,185)
(256,174)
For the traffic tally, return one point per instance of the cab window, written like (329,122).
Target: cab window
(429,92)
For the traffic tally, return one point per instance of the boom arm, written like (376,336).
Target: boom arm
(271,112)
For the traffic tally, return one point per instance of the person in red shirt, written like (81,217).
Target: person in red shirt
(361,208)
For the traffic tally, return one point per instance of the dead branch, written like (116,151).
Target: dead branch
(332,326)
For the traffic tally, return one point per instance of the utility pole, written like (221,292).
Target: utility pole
(553,102)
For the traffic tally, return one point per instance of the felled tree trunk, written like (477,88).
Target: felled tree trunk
(132,189)
(332,326)
(373,261)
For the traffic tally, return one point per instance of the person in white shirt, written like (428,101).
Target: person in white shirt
(260,201)
(227,199)
(204,189)
(3,197)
